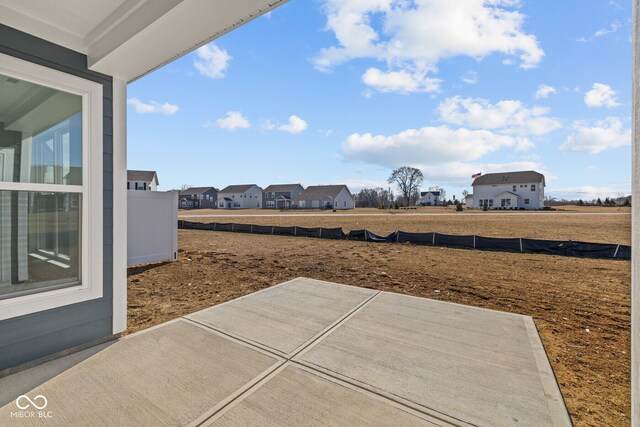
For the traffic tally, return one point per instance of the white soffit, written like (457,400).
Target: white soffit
(130,38)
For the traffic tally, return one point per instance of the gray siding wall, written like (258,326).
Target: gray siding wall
(294,195)
(212,203)
(40,334)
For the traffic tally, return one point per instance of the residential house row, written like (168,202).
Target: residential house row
(251,196)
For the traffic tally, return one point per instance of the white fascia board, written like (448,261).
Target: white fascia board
(38,28)
(161,31)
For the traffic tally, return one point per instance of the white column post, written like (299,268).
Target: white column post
(119,205)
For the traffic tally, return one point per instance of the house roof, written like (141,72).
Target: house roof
(282,188)
(424,193)
(147,176)
(196,190)
(237,188)
(520,177)
(316,192)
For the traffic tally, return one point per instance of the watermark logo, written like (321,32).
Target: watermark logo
(20,402)
(36,406)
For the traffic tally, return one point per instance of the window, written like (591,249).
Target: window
(490,203)
(271,204)
(526,201)
(533,187)
(50,189)
(515,188)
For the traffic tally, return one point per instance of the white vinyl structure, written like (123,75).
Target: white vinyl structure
(153,226)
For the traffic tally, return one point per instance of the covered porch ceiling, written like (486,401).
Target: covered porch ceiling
(130,38)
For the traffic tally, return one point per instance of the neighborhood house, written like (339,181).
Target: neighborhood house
(429,198)
(240,197)
(281,196)
(326,197)
(198,198)
(142,180)
(509,190)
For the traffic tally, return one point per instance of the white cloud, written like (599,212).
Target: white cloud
(267,125)
(412,37)
(295,125)
(544,91)
(400,81)
(152,107)
(432,146)
(589,192)
(601,95)
(508,116)
(603,135)
(470,77)
(232,121)
(615,26)
(212,61)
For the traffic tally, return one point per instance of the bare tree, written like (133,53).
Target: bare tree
(368,198)
(408,181)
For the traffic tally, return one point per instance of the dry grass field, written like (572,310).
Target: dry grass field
(581,306)
(602,225)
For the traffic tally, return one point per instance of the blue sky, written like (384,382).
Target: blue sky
(343,91)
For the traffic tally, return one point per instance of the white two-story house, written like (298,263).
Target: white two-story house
(429,198)
(142,180)
(247,196)
(509,190)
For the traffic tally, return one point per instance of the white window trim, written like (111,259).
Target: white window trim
(91,286)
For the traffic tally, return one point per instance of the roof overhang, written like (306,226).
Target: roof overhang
(130,38)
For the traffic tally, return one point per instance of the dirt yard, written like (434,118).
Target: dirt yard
(581,307)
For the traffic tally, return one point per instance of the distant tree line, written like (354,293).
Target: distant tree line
(375,198)
(608,201)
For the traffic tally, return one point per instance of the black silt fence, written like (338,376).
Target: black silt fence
(262,229)
(454,241)
(284,231)
(359,235)
(332,233)
(498,244)
(416,238)
(389,238)
(552,247)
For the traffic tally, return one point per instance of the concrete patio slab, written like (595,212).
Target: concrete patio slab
(473,365)
(285,317)
(306,352)
(297,396)
(169,375)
